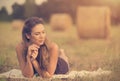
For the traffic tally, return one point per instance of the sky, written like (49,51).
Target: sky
(8,4)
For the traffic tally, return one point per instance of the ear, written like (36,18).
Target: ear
(28,36)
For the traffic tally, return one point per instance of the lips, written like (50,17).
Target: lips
(41,42)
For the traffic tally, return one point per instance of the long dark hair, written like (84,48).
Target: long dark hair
(43,54)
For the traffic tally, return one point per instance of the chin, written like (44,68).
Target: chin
(41,43)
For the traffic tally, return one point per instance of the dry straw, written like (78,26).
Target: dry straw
(93,22)
(17,24)
(60,21)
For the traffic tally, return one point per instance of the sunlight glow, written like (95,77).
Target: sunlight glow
(8,4)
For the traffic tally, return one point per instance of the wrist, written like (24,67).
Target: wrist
(28,56)
(32,59)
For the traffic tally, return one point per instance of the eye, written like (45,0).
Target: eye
(43,32)
(36,33)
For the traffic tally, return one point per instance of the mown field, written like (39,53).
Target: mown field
(83,54)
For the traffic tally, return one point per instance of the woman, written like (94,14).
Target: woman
(36,54)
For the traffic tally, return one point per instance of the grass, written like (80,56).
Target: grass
(8,39)
(83,54)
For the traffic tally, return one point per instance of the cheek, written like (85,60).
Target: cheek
(33,39)
(44,35)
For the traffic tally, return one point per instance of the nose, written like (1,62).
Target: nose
(41,36)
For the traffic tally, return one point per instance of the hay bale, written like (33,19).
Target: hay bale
(17,24)
(60,21)
(93,22)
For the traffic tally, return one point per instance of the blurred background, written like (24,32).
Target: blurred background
(87,30)
(22,9)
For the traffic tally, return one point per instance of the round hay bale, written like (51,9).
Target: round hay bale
(93,22)
(17,24)
(60,21)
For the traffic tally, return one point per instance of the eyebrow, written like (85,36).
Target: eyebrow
(39,32)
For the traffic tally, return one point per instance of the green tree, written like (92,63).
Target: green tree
(30,8)
(18,11)
(4,15)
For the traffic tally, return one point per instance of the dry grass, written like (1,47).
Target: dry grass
(82,54)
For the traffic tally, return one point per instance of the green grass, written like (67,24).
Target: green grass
(82,54)
(2,79)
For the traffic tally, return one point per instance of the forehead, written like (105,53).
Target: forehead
(38,28)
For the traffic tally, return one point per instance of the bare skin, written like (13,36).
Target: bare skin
(36,38)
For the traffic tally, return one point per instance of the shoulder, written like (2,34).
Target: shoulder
(50,44)
(20,47)
(54,46)
(54,50)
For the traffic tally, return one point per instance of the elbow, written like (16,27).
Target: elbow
(50,75)
(28,75)
(47,75)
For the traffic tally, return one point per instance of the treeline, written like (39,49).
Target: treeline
(29,8)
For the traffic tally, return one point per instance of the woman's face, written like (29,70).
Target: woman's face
(38,35)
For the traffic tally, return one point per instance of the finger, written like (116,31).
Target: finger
(36,46)
(33,46)
(35,54)
(34,49)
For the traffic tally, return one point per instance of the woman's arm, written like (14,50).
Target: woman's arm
(25,65)
(36,65)
(53,59)
(52,65)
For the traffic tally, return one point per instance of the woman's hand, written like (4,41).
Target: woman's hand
(33,51)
